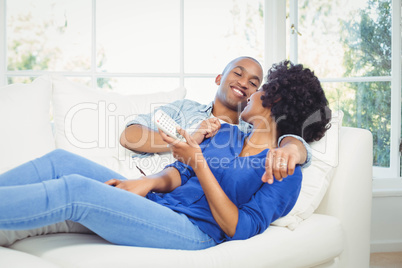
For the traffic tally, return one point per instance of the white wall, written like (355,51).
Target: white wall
(386,218)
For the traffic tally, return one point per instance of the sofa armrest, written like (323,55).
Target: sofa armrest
(350,194)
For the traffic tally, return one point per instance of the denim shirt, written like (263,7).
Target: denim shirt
(188,114)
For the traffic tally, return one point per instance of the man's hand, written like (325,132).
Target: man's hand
(207,129)
(282,161)
(140,186)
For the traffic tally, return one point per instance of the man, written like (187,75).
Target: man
(240,78)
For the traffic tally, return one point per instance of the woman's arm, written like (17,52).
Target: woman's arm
(269,203)
(223,209)
(163,182)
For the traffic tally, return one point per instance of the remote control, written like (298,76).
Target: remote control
(165,123)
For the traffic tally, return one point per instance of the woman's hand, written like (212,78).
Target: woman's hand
(140,186)
(207,129)
(187,152)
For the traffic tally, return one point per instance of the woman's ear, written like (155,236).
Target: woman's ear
(218,79)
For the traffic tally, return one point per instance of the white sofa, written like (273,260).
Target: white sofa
(329,228)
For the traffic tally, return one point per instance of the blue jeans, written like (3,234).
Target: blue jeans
(63,186)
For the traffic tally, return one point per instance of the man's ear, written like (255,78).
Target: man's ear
(218,79)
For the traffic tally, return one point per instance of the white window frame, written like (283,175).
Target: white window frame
(275,25)
(273,51)
(93,74)
(395,79)
(275,40)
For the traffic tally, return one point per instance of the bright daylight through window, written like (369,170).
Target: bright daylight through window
(352,54)
(159,45)
(125,45)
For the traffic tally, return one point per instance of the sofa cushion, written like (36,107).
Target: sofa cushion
(26,132)
(317,176)
(89,122)
(319,234)
(13,258)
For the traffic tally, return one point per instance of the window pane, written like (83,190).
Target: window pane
(138,36)
(345,38)
(138,85)
(365,105)
(86,81)
(216,32)
(201,90)
(28,79)
(50,35)
(20,79)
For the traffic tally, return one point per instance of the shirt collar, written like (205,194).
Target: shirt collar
(208,108)
(243,125)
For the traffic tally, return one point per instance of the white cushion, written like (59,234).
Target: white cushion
(26,131)
(89,122)
(9,237)
(317,176)
(320,234)
(12,258)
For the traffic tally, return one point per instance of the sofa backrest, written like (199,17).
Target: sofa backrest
(54,112)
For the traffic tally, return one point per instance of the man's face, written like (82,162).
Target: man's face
(241,79)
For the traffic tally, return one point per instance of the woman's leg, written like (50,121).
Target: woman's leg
(51,166)
(116,215)
(54,165)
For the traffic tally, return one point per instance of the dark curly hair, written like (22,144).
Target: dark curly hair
(297,101)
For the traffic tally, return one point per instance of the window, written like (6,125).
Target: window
(354,47)
(128,45)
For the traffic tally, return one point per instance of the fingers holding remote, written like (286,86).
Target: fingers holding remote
(186,152)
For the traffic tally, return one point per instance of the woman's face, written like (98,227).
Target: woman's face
(254,109)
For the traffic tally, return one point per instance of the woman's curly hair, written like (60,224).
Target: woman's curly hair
(297,101)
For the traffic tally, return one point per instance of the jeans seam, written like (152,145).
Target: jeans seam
(25,219)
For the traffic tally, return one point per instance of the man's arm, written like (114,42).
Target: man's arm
(282,161)
(143,139)
(140,138)
(298,148)
(140,135)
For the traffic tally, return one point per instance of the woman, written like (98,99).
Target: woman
(215,197)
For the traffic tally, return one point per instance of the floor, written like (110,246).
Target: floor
(386,260)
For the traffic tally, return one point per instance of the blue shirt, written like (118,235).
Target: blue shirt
(259,203)
(188,113)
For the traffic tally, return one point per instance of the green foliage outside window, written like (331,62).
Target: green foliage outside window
(367,46)
(365,38)
(29,48)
